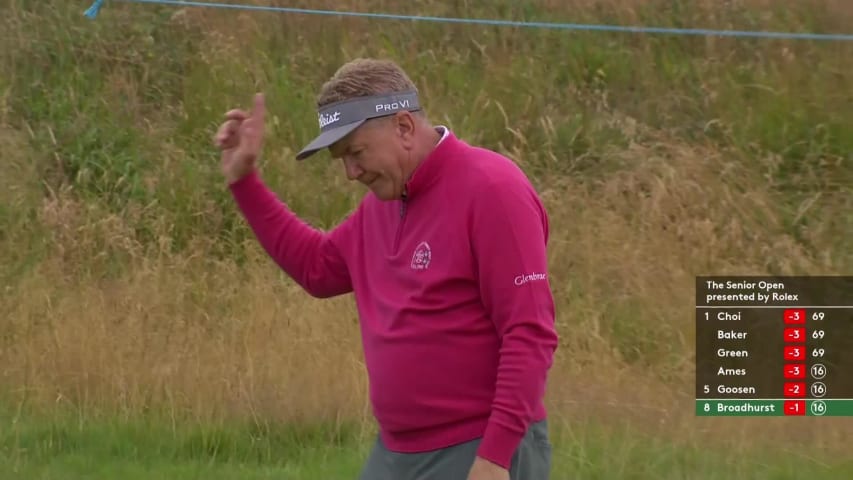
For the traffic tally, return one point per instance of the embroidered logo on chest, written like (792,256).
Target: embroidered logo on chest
(421,257)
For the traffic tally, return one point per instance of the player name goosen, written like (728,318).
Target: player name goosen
(724,389)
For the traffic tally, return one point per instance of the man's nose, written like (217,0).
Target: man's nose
(352,168)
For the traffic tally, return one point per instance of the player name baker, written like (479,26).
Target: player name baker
(731,335)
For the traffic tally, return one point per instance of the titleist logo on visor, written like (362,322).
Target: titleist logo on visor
(329,118)
(363,108)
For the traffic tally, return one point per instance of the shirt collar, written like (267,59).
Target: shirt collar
(428,171)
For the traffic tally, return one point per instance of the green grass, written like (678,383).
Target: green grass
(42,447)
(122,108)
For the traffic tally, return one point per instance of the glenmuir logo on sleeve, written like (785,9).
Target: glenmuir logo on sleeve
(530,277)
(421,257)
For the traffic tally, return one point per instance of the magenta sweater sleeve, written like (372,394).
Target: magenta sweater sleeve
(311,257)
(509,229)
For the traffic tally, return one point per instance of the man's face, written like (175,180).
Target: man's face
(373,154)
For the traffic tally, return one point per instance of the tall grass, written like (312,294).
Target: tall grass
(130,284)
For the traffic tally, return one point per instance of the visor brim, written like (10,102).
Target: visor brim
(327,139)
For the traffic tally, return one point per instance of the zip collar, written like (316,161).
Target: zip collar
(430,168)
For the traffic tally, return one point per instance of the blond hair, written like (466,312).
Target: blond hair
(364,77)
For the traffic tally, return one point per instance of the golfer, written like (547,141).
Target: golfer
(446,258)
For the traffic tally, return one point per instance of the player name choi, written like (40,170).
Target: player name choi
(726,316)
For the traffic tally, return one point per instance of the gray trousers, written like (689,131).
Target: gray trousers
(532,460)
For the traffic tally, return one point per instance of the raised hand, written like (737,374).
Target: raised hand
(240,138)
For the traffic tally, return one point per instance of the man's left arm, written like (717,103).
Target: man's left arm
(509,233)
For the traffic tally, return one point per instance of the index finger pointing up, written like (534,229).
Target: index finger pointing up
(259,108)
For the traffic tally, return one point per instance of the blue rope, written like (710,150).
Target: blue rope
(92,12)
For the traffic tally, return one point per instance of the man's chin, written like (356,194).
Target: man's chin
(384,194)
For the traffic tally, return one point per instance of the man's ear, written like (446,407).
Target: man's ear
(405,125)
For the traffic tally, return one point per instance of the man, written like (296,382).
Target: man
(446,257)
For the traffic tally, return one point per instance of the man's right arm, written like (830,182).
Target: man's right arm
(309,256)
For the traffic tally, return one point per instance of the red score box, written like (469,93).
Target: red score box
(795,370)
(795,316)
(795,389)
(795,334)
(795,407)
(795,352)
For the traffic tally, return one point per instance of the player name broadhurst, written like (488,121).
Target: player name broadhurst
(731,335)
(746,407)
(731,372)
(723,353)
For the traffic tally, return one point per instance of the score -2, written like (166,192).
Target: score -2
(795,389)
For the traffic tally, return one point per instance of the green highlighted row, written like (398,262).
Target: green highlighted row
(775,408)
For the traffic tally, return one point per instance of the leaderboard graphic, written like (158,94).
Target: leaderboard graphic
(774,346)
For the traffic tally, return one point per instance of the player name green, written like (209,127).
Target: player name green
(723,353)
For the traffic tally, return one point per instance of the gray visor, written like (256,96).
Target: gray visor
(337,120)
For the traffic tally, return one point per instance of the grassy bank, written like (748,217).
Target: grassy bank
(74,447)
(130,285)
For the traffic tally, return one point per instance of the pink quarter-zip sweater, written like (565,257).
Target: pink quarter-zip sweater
(452,290)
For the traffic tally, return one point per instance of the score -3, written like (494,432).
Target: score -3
(795,334)
(798,352)
(798,370)
(798,316)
